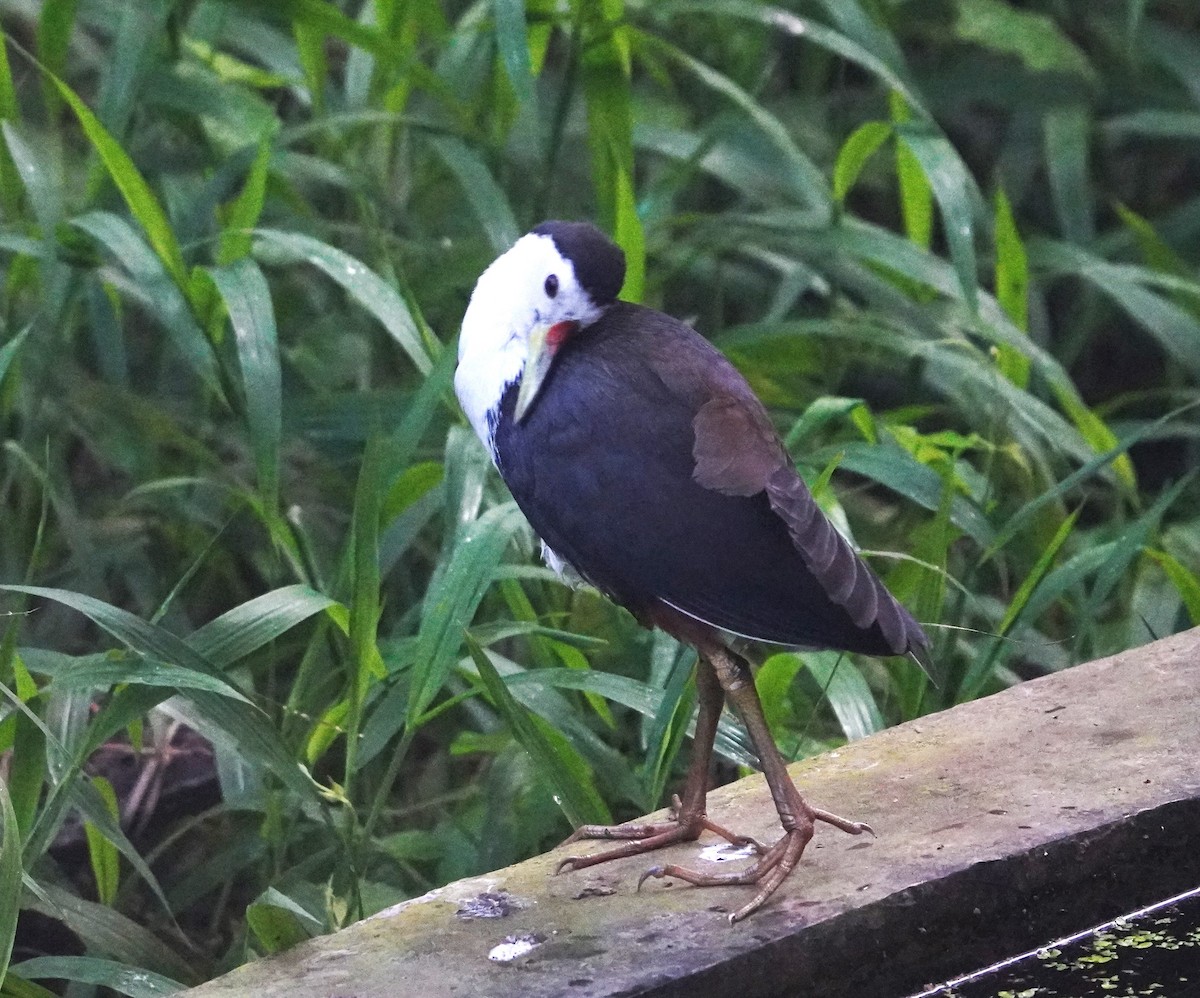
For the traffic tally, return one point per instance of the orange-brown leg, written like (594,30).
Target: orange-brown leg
(795,814)
(688,818)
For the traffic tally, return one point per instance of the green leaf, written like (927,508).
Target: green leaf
(10,184)
(629,235)
(881,64)
(952,188)
(105,670)
(820,412)
(1067,135)
(512,42)
(149,640)
(105,860)
(847,692)
(248,627)
(916,194)
(1096,432)
(11,870)
(366,663)
(248,299)
(364,286)
(1036,574)
(109,933)
(54,39)
(801,175)
(1155,251)
(486,197)
(861,145)
(8,352)
(1129,287)
(1012,288)
(242,723)
(132,185)
(452,599)
(1064,487)
(245,210)
(607,90)
(124,980)
(1032,37)
(1186,583)
(152,286)
(556,762)
(278,922)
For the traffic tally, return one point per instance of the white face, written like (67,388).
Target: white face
(510,298)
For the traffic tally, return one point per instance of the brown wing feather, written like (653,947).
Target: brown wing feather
(844,576)
(738,452)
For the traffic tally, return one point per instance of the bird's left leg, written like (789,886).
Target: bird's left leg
(795,814)
(688,818)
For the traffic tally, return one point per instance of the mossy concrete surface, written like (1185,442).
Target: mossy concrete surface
(1043,809)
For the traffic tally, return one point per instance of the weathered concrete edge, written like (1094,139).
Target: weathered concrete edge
(925,910)
(969,919)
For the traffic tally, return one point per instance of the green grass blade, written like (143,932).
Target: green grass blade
(53,41)
(246,628)
(244,211)
(365,662)
(149,640)
(559,766)
(106,932)
(278,922)
(847,691)
(364,286)
(1032,37)
(876,63)
(152,286)
(512,42)
(246,724)
(804,179)
(1063,488)
(1067,149)
(605,74)
(105,860)
(916,194)
(125,980)
(1129,545)
(103,671)
(1012,288)
(1175,328)
(1186,583)
(10,183)
(951,185)
(252,315)
(859,147)
(486,197)
(8,352)
(1030,583)
(452,599)
(132,185)
(11,869)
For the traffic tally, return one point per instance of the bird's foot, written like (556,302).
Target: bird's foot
(771,868)
(683,825)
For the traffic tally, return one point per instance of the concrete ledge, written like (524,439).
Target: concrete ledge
(1040,810)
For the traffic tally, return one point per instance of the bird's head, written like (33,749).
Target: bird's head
(553,283)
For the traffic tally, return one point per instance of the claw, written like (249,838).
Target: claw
(654,871)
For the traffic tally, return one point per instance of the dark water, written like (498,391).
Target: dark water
(1152,952)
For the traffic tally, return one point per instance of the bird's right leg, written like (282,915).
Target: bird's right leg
(688,817)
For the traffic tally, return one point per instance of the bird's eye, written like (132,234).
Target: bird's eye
(552,285)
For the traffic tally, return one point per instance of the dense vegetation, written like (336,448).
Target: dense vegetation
(952,243)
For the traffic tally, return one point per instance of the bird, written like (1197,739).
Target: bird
(650,470)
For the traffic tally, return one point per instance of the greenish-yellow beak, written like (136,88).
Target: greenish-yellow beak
(544,341)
